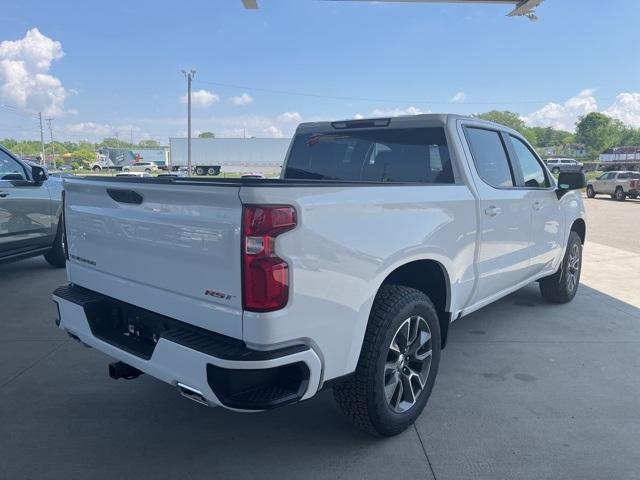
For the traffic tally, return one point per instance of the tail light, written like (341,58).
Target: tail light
(265,276)
(65,245)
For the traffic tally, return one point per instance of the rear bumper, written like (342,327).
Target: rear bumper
(222,369)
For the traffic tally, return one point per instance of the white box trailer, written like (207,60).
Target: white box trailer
(210,155)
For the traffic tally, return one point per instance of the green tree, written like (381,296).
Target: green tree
(598,132)
(511,120)
(84,157)
(148,143)
(207,135)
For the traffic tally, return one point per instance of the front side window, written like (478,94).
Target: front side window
(532,171)
(490,157)
(417,155)
(9,167)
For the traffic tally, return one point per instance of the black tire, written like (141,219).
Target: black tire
(211,171)
(555,170)
(96,169)
(55,256)
(557,287)
(633,196)
(147,170)
(199,171)
(362,398)
(619,195)
(591,193)
(126,170)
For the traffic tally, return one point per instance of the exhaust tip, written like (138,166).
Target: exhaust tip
(192,394)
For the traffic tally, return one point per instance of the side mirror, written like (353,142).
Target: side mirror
(38,173)
(570,181)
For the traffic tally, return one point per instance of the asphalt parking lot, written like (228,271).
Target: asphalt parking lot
(526,390)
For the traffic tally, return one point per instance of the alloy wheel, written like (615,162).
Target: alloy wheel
(573,267)
(408,364)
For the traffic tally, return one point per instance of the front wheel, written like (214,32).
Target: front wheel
(200,171)
(562,286)
(620,195)
(398,363)
(590,191)
(555,170)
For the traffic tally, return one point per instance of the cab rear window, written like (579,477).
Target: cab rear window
(418,155)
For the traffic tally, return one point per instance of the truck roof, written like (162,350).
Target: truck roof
(402,121)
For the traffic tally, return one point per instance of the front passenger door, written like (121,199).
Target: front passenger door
(544,207)
(25,209)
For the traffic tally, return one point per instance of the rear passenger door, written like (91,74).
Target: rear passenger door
(505,215)
(544,208)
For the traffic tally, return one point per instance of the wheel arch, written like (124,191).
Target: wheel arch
(430,277)
(580,227)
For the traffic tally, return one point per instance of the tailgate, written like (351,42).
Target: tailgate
(167,247)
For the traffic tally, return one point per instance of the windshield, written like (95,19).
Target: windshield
(418,155)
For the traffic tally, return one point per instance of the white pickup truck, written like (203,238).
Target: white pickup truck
(344,273)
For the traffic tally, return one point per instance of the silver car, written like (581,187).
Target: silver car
(30,212)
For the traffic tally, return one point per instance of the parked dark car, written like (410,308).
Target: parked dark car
(30,211)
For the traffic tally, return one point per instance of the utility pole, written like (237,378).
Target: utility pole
(42,162)
(53,148)
(189,76)
(131,137)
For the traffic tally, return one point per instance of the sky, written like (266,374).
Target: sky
(98,69)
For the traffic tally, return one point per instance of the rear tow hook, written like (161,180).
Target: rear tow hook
(122,370)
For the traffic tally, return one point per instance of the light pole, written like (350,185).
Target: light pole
(189,76)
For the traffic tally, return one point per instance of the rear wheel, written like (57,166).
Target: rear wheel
(633,196)
(96,169)
(211,171)
(556,170)
(562,286)
(620,195)
(147,170)
(200,171)
(590,191)
(55,256)
(398,363)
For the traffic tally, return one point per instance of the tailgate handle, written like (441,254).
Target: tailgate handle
(125,196)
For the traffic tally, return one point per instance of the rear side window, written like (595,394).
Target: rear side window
(532,171)
(490,157)
(417,155)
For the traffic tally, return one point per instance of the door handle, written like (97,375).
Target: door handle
(492,211)
(3,194)
(537,206)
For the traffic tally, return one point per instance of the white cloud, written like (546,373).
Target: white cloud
(459,97)
(98,131)
(563,116)
(397,112)
(241,100)
(289,117)
(201,98)
(273,131)
(358,116)
(25,81)
(626,108)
